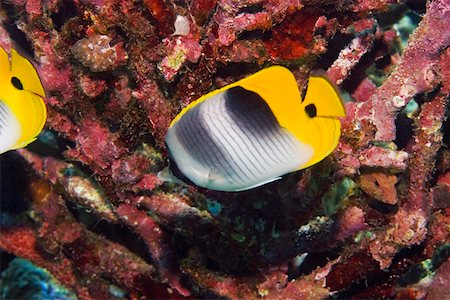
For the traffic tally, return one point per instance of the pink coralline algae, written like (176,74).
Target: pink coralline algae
(369,221)
(95,53)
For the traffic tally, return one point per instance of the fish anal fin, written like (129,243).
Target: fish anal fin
(259,184)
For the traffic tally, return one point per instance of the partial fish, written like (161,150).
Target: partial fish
(22,109)
(253,131)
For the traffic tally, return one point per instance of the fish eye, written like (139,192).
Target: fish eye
(311,110)
(17,83)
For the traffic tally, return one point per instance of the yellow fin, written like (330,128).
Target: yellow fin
(279,89)
(26,73)
(275,84)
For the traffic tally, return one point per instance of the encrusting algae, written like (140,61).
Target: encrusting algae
(365,217)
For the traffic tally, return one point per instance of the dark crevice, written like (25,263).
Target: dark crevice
(383,207)
(5,260)
(251,9)
(13,182)
(113,232)
(312,261)
(236,70)
(10,24)
(67,9)
(378,284)
(254,35)
(338,42)
(404,131)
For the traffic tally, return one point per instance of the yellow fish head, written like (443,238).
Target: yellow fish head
(313,120)
(319,124)
(22,110)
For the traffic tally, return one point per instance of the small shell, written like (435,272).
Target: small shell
(181,25)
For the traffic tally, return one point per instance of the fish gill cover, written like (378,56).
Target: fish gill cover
(372,217)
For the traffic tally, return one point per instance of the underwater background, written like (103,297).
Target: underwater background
(84,216)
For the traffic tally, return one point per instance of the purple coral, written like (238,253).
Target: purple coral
(117,72)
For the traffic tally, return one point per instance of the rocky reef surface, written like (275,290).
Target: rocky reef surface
(84,203)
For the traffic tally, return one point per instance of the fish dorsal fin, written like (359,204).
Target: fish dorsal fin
(277,86)
(325,97)
(26,73)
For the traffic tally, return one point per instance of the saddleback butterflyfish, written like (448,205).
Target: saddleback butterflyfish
(253,131)
(22,109)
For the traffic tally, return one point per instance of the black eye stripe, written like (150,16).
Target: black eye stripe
(303,94)
(311,110)
(17,83)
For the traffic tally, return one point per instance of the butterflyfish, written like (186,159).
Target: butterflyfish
(253,131)
(22,109)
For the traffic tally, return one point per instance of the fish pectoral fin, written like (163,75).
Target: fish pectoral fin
(260,184)
(213,174)
(167,176)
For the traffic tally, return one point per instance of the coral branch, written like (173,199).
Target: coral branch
(352,54)
(416,72)
(79,188)
(117,72)
(409,223)
(154,237)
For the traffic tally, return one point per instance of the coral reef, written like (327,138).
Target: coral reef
(372,220)
(23,280)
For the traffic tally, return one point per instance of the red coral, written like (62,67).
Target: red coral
(112,105)
(162,14)
(415,72)
(154,237)
(351,221)
(379,185)
(200,9)
(293,38)
(90,87)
